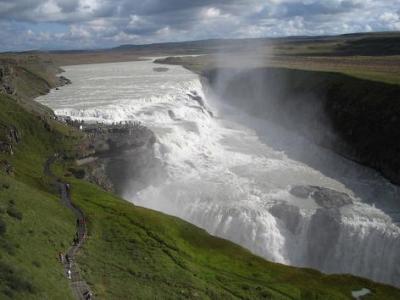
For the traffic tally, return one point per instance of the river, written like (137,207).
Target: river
(228,172)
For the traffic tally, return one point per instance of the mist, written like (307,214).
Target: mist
(237,163)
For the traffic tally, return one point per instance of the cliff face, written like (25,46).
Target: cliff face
(25,78)
(119,155)
(356,118)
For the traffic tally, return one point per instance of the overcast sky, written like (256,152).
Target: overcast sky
(81,24)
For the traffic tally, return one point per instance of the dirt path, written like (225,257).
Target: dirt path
(78,284)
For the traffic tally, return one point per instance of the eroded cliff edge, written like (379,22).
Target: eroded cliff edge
(356,118)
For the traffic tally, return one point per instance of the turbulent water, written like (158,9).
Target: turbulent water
(232,174)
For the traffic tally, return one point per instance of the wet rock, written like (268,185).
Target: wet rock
(160,69)
(64,81)
(288,214)
(171,114)
(122,154)
(324,197)
(196,97)
(301,191)
(330,198)
(322,236)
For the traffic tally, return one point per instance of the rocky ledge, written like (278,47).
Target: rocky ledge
(117,155)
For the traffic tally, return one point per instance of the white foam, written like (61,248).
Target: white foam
(228,179)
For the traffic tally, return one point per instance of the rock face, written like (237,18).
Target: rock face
(9,138)
(322,236)
(288,214)
(122,154)
(356,118)
(7,78)
(63,81)
(324,197)
(7,167)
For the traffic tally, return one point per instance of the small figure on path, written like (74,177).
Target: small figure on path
(67,258)
(87,295)
(61,257)
(69,274)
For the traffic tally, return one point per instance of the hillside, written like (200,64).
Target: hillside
(131,252)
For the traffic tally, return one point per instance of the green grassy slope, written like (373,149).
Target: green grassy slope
(132,252)
(137,253)
(37,227)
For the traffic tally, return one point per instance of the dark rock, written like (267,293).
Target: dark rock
(196,97)
(63,81)
(288,214)
(6,79)
(6,148)
(171,115)
(5,166)
(301,191)
(324,197)
(322,236)
(123,155)
(160,69)
(330,198)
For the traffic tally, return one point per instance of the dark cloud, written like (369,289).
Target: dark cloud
(89,23)
(68,6)
(319,8)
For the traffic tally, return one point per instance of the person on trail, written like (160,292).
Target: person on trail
(69,274)
(61,257)
(67,258)
(77,222)
(87,295)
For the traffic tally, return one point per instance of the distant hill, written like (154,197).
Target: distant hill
(372,44)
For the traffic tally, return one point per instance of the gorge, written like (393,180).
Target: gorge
(233,169)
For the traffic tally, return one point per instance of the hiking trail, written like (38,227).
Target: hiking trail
(78,285)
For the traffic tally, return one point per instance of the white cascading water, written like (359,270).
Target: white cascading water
(230,174)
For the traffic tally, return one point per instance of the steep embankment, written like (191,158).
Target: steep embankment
(357,118)
(131,252)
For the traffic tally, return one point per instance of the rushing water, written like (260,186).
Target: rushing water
(231,174)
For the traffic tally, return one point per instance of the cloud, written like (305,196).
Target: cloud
(33,24)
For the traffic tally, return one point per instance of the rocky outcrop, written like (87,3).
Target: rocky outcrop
(356,118)
(63,81)
(160,69)
(7,77)
(6,167)
(122,154)
(324,197)
(9,138)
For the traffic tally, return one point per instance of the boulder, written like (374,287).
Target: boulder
(323,196)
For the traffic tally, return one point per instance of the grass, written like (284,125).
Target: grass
(132,252)
(140,252)
(381,69)
(30,245)
(37,226)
